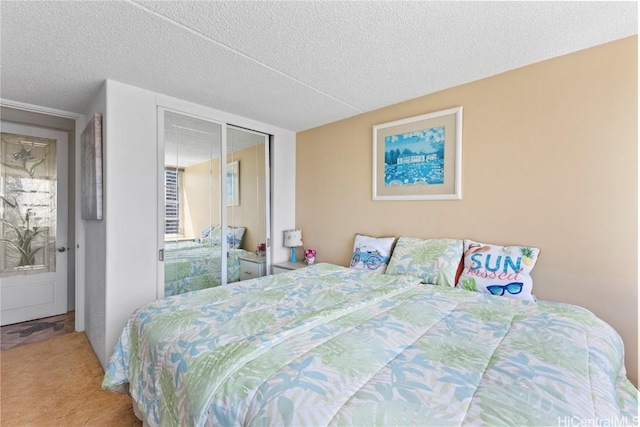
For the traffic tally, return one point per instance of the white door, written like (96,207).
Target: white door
(33,223)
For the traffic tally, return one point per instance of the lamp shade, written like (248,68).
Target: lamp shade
(292,238)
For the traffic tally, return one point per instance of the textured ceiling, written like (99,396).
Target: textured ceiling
(189,140)
(295,65)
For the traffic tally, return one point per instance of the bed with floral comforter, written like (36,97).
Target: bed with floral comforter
(328,345)
(191,266)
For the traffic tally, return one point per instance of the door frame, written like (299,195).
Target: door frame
(21,282)
(78,251)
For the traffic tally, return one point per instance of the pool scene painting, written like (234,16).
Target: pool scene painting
(414,158)
(418,158)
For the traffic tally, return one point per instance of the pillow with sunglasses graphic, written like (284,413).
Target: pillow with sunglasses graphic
(498,270)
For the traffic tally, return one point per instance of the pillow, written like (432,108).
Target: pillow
(371,253)
(215,235)
(209,234)
(432,260)
(234,236)
(498,270)
(204,235)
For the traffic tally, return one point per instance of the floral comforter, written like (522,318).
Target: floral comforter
(196,266)
(328,345)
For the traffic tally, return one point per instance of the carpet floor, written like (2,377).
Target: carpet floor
(57,382)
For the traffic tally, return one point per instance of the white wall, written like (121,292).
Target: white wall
(283,200)
(130,204)
(122,275)
(91,238)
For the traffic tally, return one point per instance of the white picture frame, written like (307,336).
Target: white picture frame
(233,183)
(419,158)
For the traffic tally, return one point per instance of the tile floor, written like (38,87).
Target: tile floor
(36,330)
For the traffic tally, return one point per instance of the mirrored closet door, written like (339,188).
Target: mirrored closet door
(247,200)
(214,213)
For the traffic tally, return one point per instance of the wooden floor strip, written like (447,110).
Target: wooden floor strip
(36,330)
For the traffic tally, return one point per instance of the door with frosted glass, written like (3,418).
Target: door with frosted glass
(33,222)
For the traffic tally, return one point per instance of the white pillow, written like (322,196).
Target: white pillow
(207,234)
(234,236)
(498,270)
(371,253)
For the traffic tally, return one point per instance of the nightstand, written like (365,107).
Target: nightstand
(252,266)
(283,267)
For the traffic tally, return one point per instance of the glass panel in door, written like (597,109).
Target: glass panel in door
(192,216)
(28,211)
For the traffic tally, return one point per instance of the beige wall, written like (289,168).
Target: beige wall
(202,210)
(201,184)
(250,213)
(549,160)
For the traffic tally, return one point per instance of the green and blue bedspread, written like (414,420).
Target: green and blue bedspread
(328,345)
(190,266)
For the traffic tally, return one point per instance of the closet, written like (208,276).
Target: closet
(213,203)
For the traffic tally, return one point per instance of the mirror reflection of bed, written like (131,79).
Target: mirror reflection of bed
(204,242)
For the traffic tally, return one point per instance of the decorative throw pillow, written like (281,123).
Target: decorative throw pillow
(210,235)
(234,236)
(432,260)
(204,235)
(371,253)
(498,270)
(215,235)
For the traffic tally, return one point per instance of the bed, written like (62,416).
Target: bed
(192,265)
(329,345)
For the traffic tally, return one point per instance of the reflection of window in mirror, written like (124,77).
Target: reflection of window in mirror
(192,157)
(174,212)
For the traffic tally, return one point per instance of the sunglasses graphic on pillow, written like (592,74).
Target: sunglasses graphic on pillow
(513,288)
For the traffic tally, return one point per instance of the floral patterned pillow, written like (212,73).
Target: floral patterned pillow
(371,253)
(434,261)
(207,234)
(498,270)
(215,235)
(210,235)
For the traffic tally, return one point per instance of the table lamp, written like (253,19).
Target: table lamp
(293,239)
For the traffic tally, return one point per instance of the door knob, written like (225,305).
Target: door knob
(61,249)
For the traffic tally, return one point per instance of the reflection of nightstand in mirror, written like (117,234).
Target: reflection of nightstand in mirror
(252,266)
(283,267)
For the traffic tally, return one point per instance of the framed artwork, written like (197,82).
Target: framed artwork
(419,158)
(91,166)
(233,183)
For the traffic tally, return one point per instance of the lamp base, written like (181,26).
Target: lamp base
(294,258)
